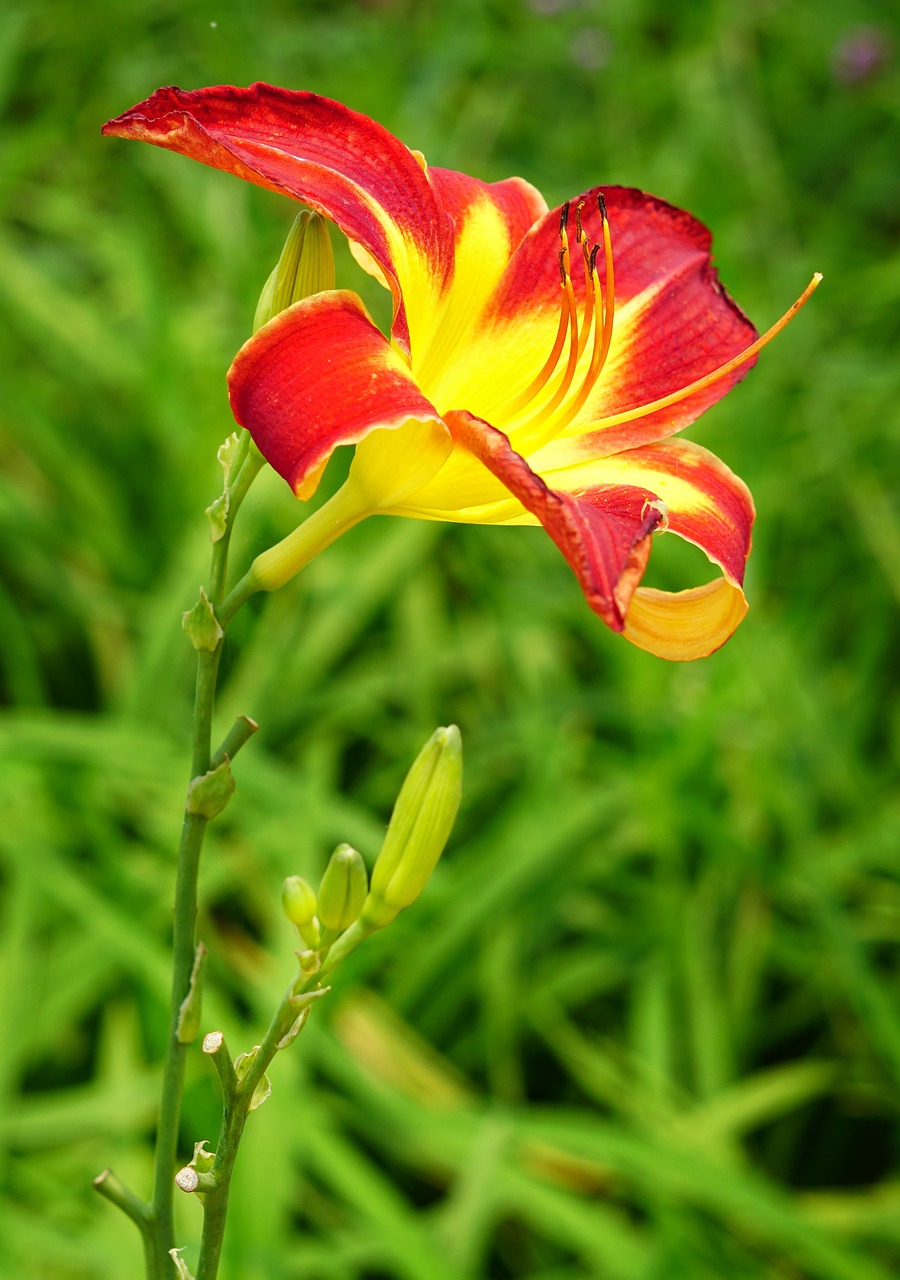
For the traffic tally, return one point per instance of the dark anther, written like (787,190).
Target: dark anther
(563,277)
(563,218)
(579,230)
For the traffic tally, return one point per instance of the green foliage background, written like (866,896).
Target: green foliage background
(645,1023)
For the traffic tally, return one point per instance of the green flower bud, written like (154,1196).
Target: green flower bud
(299,902)
(343,889)
(306,266)
(419,828)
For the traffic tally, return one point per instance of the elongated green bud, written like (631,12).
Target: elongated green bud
(299,902)
(343,889)
(306,266)
(419,828)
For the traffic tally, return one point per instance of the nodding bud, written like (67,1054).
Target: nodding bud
(299,902)
(306,266)
(343,889)
(419,828)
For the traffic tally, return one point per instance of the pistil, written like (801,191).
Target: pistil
(722,371)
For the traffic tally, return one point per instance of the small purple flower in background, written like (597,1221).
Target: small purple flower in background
(861,54)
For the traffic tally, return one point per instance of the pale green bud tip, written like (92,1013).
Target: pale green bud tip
(298,900)
(306,266)
(343,889)
(420,826)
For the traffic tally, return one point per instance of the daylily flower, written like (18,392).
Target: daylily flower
(538,366)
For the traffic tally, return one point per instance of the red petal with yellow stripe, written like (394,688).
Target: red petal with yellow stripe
(317,376)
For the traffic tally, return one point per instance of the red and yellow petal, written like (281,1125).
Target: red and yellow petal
(604,534)
(673,322)
(440,240)
(318,375)
(490,220)
(706,504)
(336,160)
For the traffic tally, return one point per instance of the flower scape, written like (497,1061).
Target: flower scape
(539,366)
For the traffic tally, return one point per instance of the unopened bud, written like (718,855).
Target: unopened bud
(419,828)
(343,889)
(306,266)
(299,902)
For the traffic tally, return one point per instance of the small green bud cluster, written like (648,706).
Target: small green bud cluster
(347,906)
(321,917)
(306,266)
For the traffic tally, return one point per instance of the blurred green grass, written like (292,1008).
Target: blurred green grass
(644,1025)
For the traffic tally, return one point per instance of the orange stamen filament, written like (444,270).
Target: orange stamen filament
(602,313)
(561,391)
(602,336)
(609,305)
(603,328)
(576,346)
(700,384)
(582,240)
(589,290)
(537,384)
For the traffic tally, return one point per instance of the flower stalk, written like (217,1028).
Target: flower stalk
(208,791)
(161,1231)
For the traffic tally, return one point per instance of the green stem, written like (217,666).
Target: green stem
(238,1094)
(192,833)
(276,566)
(236,1109)
(115,1190)
(347,942)
(160,1231)
(269,571)
(215,1201)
